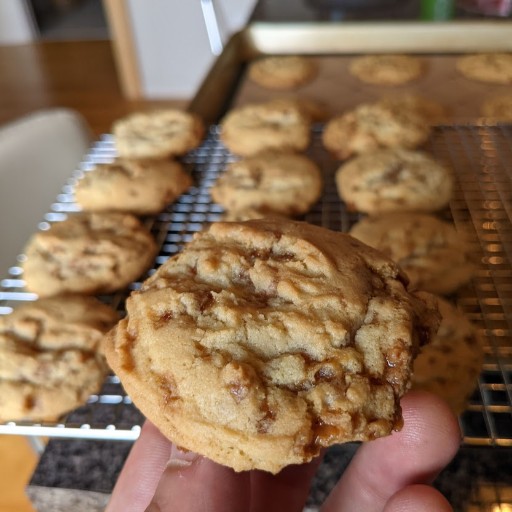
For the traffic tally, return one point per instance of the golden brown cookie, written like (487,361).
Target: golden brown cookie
(430,110)
(313,110)
(49,362)
(450,364)
(494,68)
(88,253)
(498,107)
(394,180)
(374,126)
(57,323)
(259,127)
(136,186)
(157,133)
(387,69)
(248,214)
(282,72)
(263,342)
(435,257)
(284,183)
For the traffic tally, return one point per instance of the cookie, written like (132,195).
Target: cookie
(374,126)
(88,253)
(136,186)
(58,323)
(435,257)
(431,111)
(248,214)
(157,133)
(386,69)
(394,180)
(449,366)
(282,72)
(259,127)
(49,359)
(284,183)
(494,68)
(498,107)
(264,341)
(313,110)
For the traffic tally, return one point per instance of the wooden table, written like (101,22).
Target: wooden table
(80,75)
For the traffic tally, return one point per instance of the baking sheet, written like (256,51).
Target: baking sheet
(333,45)
(336,88)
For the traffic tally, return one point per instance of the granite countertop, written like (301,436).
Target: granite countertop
(82,473)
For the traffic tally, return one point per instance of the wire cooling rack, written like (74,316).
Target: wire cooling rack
(481,157)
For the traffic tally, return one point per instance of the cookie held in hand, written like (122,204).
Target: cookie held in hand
(264,341)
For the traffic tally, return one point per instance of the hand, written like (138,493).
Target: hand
(391,474)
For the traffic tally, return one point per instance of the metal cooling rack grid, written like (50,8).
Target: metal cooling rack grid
(482,205)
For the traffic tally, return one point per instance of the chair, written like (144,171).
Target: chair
(38,153)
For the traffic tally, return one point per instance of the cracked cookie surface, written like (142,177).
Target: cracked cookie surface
(386,69)
(373,126)
(157,133)
(49,359)
(493,68)
(264,341)
(135,186)
(88,253)
(498,107)
(284,183)
(274,125)
(433,254)
(394,180)
(282,72)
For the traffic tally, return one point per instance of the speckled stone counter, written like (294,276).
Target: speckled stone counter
(83,473)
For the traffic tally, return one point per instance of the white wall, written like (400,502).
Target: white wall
(172,43)
(16,22)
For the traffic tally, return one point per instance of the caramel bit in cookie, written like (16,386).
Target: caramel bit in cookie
(264,424)
(125,341)
(325,434)
(30,402)
(325,374)
(206,300)
(168,388)
(162,319)
(239,378)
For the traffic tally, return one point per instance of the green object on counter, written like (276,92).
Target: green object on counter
(437,10)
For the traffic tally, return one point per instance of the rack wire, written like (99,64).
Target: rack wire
(481,157)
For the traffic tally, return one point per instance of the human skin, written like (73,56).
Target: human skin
(390,474)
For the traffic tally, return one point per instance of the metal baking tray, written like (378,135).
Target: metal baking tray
(480,155)
(332,45)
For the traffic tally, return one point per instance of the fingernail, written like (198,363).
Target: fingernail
(180,458)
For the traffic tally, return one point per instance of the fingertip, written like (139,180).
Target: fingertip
(141,471)
(427,442)
(429,423)
(149,431)
(420,498)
